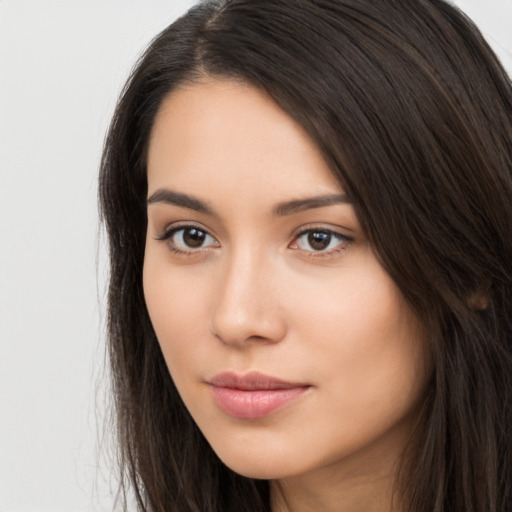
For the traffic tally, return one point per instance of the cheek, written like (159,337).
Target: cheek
(371,362)
(177,302)
(367,343)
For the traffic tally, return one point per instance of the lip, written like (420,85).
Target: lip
(253,395)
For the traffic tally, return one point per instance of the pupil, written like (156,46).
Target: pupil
(194,237)
(318,240)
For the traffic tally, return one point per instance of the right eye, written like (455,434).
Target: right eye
(188,239)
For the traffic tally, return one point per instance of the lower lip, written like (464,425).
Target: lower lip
(255,404)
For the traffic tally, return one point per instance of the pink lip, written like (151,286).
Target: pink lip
(253,395)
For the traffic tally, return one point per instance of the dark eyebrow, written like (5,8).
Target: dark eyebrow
(164,195)
(299,205)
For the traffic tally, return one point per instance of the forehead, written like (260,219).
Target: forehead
(229,134)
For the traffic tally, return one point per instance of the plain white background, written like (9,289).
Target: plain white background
(62,65)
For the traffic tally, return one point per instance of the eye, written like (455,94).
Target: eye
(188,239)
(320,241)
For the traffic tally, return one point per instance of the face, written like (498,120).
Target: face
(289,344)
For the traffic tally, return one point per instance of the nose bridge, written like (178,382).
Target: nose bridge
(246,303)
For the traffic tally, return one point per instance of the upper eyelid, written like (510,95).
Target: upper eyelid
(321,227)
(340,236)
(176,226)
(319,230)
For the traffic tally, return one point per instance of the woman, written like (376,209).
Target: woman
(309,216)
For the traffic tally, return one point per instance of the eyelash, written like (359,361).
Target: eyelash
(344,241)
(169,234)
(343,244)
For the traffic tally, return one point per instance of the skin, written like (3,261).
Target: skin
(255,296)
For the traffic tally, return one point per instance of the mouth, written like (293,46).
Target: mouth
(253,395)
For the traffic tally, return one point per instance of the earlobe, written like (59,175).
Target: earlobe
(479,300)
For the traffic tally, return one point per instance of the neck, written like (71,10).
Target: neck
(347,495)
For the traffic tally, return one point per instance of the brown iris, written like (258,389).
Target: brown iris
(319,240)
(193,237)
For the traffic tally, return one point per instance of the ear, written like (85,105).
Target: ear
(479,300)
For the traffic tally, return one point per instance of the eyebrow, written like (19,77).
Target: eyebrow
(167,196)
(299,205)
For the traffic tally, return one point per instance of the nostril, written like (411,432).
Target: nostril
(249,326)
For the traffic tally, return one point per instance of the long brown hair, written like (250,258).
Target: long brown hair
(413,112)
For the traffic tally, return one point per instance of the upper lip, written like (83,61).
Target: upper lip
(251,381)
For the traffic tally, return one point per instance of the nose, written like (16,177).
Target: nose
(247,307)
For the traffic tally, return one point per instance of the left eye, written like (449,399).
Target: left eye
(190,237)
(318,240)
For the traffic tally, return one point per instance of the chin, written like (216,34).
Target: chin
(261,466)
(258,471)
